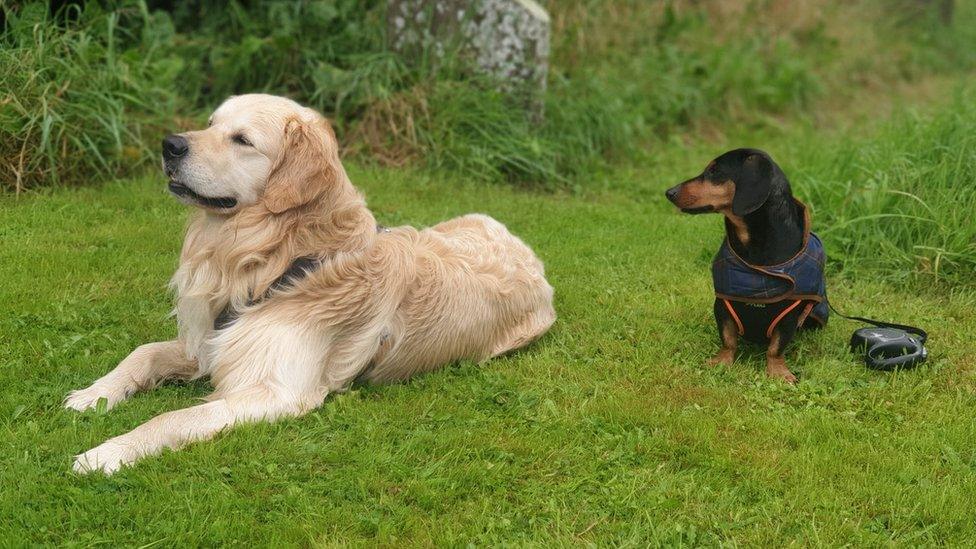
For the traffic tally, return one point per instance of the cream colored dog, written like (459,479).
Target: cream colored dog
(356,303)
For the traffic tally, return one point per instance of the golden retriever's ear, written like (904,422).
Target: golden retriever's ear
(305,168)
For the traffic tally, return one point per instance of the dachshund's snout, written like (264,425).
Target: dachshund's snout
(672,193)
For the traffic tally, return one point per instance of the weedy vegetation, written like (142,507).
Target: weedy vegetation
(901,204)
(90,87)
(83,96)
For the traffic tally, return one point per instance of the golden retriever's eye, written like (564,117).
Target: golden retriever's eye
(210,122)
(241,140)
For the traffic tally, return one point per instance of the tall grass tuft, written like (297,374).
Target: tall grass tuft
(905,200)
(83,94)
(329,54)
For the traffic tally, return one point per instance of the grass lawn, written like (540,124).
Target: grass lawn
(609,430)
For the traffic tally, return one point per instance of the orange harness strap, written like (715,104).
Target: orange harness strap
(742,331)
(805,314)
(769,331)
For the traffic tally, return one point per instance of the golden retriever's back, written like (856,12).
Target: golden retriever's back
(459,265)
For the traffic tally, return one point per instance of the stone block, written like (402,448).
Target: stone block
(506,39)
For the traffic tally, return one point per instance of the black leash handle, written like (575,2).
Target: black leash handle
(910,329)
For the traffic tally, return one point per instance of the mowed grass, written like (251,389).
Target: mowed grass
(610,429)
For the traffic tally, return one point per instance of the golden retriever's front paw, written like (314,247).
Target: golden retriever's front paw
(107,457)
(86,399)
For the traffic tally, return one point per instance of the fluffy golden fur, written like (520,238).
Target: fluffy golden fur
(382,306)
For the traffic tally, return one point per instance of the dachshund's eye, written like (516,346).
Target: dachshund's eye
(210,122)
(241,140)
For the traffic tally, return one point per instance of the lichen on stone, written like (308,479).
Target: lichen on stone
(506,39)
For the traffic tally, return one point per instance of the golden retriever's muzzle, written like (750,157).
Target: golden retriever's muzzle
(175,148)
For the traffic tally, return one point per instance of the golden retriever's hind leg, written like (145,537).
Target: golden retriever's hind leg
(526,332)
(143,369)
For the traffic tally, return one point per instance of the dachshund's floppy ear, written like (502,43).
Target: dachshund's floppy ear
(305,168)
(753,184)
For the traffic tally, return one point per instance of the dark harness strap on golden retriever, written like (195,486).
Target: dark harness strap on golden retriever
(299,269)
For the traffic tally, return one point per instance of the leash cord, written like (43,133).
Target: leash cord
(910,329)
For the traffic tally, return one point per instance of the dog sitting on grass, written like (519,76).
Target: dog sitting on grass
(287,289)
(768,274)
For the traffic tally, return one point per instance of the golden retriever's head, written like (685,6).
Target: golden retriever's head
(257,149)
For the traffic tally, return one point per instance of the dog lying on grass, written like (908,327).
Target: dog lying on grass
(287,289)
(768,274)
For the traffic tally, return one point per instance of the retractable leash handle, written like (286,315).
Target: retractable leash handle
(889,346)
(892,354)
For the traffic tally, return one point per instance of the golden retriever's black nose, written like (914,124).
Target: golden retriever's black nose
(174,146)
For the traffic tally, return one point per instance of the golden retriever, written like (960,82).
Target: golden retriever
(355,303)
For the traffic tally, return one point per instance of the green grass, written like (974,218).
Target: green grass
(904,201)
(610,430)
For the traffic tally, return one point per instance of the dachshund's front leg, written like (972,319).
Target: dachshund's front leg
(728,333)
(775,363)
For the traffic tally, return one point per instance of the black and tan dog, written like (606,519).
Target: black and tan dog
(768,274)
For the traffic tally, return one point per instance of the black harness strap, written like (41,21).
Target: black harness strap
(299,269)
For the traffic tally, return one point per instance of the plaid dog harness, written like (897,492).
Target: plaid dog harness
(759,296)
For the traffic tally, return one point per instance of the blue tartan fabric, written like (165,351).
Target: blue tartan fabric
(801,278)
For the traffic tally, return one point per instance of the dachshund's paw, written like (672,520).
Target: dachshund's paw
(781,372)
(725,357)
